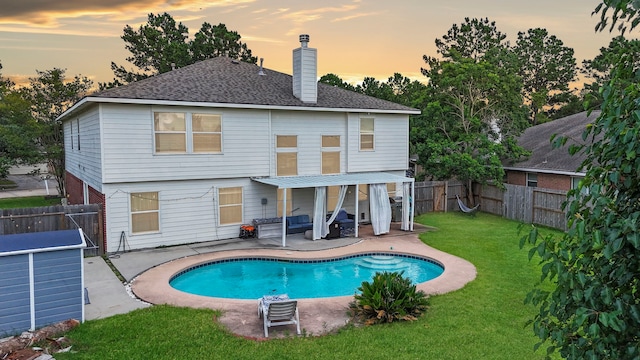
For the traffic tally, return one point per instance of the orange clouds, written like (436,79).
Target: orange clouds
(43,13)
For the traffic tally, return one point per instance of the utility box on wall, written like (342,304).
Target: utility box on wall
(42,279)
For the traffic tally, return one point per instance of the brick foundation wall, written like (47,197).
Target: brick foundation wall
(75,195)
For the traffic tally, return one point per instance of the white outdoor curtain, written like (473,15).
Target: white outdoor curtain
(406,206)
(320,227)
(380,208)
(341,195)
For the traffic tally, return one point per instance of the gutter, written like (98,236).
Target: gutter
(92,99)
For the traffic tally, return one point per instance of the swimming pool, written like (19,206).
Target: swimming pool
(251,278)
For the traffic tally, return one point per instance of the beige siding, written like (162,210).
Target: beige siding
(391,144)
(129,148)
(86,163)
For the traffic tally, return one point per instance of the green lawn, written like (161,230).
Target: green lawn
(484,320)
(27,202)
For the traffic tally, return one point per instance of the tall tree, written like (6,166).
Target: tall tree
(17,129)
(212,41)
(619,49)
(474,38)
(593,311)
(161,45)
(335,80)
(50,94)
(469,124)
(546,67)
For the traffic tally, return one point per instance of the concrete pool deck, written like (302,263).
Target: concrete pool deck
(149,271)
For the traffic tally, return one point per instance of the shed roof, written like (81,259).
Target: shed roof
(544,157)
(41,241)
(224,82)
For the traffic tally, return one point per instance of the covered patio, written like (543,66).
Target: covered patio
(380,206)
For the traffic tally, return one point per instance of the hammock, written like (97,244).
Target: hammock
(464,208)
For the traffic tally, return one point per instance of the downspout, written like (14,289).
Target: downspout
(357,215)
(284,218)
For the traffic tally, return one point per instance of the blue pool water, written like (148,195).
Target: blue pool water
(255,277)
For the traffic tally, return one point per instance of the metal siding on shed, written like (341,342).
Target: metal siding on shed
(58,286)
(14,295)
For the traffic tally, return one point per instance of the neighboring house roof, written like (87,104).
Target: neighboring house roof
(544,157)
(223,82)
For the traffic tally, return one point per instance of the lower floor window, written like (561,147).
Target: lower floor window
(145,211)
(230,200)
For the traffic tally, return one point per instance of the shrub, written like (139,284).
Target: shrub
(390,297)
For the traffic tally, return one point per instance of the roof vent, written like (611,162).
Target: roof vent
(261,71)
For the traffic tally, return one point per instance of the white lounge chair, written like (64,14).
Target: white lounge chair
(279,311)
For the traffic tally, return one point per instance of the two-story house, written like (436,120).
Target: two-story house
(190,155)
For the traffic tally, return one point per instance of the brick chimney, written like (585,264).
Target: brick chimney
(305,65)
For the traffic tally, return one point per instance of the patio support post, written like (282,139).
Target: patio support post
(413,203)
(284,218)
(357,214)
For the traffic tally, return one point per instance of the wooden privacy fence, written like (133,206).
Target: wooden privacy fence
(57,217)
(523,203)
(433,196)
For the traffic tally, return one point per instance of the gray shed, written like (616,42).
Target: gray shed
(41,279)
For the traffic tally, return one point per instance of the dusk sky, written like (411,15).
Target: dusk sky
(354,38)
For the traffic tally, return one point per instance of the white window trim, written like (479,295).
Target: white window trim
(190,133)
(219,205)
(360,133)
(188,118)
(285,150)
(331,149)
(527,180)
(131,233)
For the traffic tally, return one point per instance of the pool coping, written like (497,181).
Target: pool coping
(317,316)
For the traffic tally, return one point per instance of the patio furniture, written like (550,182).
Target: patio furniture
(298,224)
(278,310)
(464,208)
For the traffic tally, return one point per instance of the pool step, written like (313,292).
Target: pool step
(382,262)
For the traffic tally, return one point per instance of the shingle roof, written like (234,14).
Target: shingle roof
(546,158)
(222,80)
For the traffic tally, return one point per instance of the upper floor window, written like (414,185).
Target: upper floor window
(78,132)
(187,133)
(366,134)
(330,154)
(286,155)
(532,179)
(207,133)
(145,212)
(170,132)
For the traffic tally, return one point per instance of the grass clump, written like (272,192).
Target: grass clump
(389,297)
(28,202)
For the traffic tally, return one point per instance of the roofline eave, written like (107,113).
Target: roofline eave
(546,171)
(95,99)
